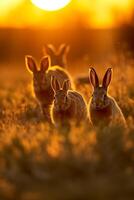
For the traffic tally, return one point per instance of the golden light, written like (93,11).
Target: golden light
(51,5)
(106,13)
(93,14)
(8,5)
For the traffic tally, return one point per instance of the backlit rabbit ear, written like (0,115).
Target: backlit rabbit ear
(93,77)
(63,49)
(48,49)
(30,63)
(107,78)
(66,85)
(45,62)
(55,84)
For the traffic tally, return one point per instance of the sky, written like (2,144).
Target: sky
(86,13)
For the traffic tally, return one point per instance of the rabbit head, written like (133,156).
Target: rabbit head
(39,78)
(61,100)
(57,57)
(99,98)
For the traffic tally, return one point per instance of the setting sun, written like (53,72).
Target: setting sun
(100,14)
(50,5)
(66,99)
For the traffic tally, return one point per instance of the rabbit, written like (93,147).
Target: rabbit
(68,106)
(58,57)
(103,109)
(42,81)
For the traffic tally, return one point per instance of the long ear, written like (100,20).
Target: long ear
(93,77)
(30,63)
(48,49)
(44,64)
(55,84)
(107,78)
(66,85)
(64,49)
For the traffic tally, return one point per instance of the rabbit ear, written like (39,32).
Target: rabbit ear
(30,63)
(44,65)
(48,49)
(93,77)
(63,49)
(55,84)
(107,78)
(66,85)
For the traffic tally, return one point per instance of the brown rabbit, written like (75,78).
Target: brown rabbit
(58,57)
(68,106)
(103,109)
(42,81)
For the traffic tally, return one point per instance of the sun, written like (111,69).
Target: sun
(51,5)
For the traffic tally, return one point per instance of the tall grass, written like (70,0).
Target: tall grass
(38,162)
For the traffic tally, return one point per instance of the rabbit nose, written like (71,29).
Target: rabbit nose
(98,103)
(60,107)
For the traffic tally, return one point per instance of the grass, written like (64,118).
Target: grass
(38,162)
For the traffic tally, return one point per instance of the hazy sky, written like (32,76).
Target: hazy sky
(87,13)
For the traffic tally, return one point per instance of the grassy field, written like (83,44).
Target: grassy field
(40,163)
